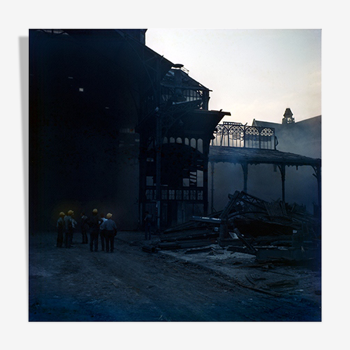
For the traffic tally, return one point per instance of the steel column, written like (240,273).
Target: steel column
(212,186)
(205,186)
(245,176)
(282,168)
(318,177)
(158,145)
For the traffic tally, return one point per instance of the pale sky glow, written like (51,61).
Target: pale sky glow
(253,73)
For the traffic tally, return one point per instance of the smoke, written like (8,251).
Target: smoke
(302,138)
(264,180)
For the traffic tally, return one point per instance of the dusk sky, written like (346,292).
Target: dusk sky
(252,73)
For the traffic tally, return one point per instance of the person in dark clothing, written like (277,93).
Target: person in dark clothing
(84,228)
(110,228)
(148,223)
(94,230)
(60,229)
(70,224)
(102,232)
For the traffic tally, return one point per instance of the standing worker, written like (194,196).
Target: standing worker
(102,232)
(60,229)
(84,228)
(95,228)
(110,228)
(148,222)
(70,224)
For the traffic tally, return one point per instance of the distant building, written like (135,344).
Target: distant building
(301,137)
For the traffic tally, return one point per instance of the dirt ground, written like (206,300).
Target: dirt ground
(130,284)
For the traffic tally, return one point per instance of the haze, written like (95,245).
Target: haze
(254,74)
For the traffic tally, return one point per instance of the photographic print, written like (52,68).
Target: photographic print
(175,175)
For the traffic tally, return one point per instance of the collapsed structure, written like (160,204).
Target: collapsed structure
(272,231)
(174,149)
(114,125)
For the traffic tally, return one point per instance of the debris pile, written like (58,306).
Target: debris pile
(192,234)
(268,230)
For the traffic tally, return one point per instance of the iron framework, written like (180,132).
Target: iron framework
(232,134)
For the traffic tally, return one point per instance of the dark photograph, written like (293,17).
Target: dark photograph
(174,175)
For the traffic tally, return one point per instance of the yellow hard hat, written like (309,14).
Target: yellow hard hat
(109,215)
(70,212)
(62,213)
(95,211)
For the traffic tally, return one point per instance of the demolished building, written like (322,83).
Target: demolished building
(270,230)
(174,147)
(114,125)
(282,160)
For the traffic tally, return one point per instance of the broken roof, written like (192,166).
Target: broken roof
(186,81)
(259,156)
(310,121)
(266,124)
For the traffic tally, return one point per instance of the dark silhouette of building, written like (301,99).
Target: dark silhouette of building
(186,127)
(116,126)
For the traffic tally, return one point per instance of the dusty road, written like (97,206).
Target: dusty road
(131,285)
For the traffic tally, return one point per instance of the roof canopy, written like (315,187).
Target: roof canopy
(259,156)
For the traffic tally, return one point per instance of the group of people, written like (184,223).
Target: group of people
(98,226)
(65,227)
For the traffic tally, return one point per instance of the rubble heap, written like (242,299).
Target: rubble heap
(268,230)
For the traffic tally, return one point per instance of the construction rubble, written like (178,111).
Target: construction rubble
(268,231)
